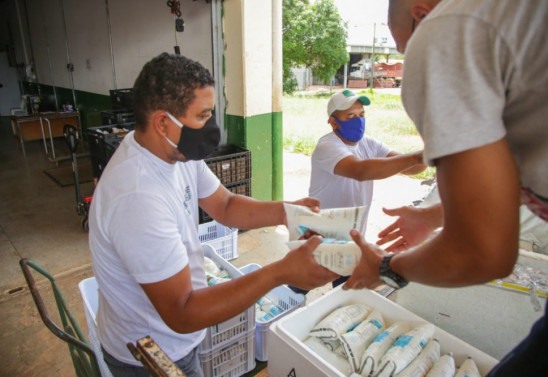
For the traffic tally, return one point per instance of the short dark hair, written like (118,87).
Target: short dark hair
(167,82)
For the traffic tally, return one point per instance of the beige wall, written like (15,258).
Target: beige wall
(140,30)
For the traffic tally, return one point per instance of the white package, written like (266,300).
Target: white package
(334,223)
(340,321)
(341,257)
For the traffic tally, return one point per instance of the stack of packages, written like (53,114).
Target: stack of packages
(356,341)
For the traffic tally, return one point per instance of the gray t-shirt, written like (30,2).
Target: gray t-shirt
(477,71)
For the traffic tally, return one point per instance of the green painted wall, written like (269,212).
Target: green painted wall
(255,134)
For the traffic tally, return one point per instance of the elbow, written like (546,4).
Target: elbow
(494,263)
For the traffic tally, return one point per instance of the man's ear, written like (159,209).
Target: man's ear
(158,120)
(333,123)
(421,9)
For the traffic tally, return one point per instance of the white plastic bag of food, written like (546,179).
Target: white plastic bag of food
(333,223)
(444,367)
(338,362)
(424,362)
(211,267)
(340,321)
(356,341)
(468,369)
(405,349)
(376,350)
(341,257)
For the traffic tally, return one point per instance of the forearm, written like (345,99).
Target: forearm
(244,212)
(209,306)
(414,169)
(380,168)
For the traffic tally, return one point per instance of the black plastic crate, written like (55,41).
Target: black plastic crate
(121,98)
(117,116)
(242,188)
(101,141)
(230,163)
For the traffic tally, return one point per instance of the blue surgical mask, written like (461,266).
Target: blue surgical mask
(352,129)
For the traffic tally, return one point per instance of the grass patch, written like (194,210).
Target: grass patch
(305,121)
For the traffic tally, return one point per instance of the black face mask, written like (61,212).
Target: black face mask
(197,143)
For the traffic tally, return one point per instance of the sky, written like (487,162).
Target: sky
(363,16)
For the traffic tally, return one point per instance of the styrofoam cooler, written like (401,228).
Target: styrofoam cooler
(288,355)
(281,296)
(90,295)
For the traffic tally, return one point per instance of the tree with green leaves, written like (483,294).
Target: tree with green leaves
(314,36)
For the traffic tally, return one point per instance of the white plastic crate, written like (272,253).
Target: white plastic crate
(289,355)
(223,239)
(224,333)
(231,360)
(90,295)
(281,296)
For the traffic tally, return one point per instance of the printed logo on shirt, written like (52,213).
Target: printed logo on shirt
(188,197)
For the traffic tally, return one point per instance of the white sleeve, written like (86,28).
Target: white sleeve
(452,86)
(328,154)
(208,182)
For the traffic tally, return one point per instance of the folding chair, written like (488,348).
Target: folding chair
(83,357)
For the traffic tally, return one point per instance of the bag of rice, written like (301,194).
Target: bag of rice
(424,362)
(340,321)
(376,350)
(356,341)
(405,349)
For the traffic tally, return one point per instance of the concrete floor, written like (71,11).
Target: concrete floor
(38,221)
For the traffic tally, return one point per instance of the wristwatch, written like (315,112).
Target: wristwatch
(388,276)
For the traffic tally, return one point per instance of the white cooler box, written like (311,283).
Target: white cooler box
(490,317)
(289,356)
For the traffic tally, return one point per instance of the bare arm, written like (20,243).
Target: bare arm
(186,310)
(379,168)
(244,212)
(479,189)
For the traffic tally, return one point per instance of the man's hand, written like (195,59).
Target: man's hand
(366,274)
(412,227)
(300,269)
(312,203)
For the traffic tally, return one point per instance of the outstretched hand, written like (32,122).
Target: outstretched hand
(366,274)
(301,269)
(411,228)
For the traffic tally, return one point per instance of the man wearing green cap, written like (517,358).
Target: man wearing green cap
(346,161)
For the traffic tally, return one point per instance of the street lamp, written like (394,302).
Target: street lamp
(373,53)
(372,57)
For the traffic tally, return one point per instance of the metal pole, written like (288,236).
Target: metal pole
(373,56)
(114,85)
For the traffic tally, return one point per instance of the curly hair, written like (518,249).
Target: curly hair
(167,82)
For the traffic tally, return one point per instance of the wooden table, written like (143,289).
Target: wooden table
(43,126)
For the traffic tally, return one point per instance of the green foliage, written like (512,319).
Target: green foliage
(314,36)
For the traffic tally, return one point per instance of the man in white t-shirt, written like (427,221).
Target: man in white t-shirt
(143,225)
(476,86)
(345,161)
